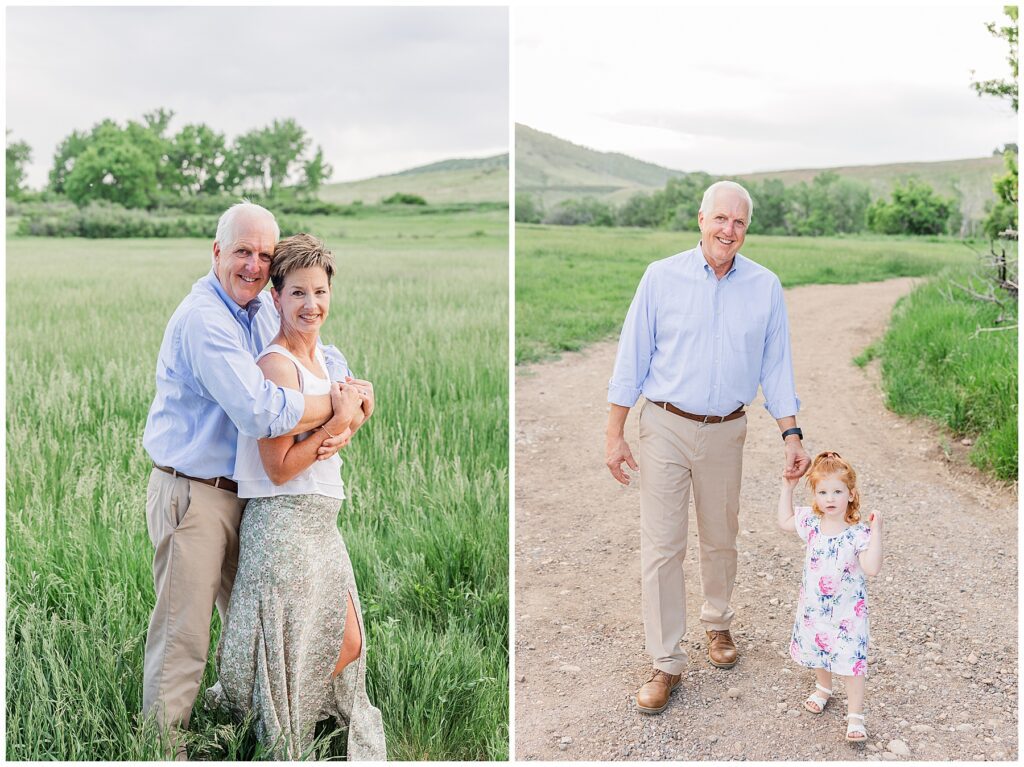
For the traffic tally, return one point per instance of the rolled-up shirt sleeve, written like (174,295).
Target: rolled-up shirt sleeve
(636,345)
(337,365)
(777,381)
(227,371)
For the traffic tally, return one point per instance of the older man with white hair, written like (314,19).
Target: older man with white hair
(208,389)
(705,327)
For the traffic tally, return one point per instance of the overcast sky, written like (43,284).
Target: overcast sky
(381,89)
(742,90)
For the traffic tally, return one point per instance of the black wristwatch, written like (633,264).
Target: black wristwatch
(795,430)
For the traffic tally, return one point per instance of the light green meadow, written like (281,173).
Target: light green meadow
(420,308)
(574,283)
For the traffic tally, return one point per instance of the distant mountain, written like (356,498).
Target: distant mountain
(553,169)
(483,179)
(473,163)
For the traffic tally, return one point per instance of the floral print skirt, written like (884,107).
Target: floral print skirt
(286,620)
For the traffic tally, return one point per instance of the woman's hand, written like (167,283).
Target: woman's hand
(366,390)
(346,402)
(347,406)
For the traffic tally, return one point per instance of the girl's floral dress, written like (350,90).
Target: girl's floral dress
(831,628)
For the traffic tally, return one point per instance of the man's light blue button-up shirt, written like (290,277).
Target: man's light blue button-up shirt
(208,386)
(705,344)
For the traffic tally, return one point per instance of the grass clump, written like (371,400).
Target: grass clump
(936,363)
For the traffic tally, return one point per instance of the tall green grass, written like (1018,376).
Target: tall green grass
(420,308)
(936,363)
(574,284)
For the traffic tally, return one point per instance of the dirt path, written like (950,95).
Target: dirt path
(943,659)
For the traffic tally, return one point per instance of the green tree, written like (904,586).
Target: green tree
(528,210)
(914,209)
(1003,215)
(585,212)
(315,171)
(286,142)
(252,160)
(267,157)
(771,207)
(198,154)
(19,154)
(113,168)
(107,139)
(64,159)
(997,87)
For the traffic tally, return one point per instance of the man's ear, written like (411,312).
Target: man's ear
(216,251)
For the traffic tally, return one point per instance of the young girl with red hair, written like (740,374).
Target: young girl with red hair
(830,633)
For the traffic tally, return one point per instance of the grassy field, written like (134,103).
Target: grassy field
(936,363)
(420,308)
(574,284)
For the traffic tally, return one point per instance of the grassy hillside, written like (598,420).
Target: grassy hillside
(553,169)
(457,180)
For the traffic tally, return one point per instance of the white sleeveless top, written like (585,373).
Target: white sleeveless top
(322,478)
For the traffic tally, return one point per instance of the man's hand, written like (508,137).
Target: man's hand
(797,460)
(616,452)
(366,390)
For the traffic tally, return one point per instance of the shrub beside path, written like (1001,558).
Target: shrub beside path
(942,678)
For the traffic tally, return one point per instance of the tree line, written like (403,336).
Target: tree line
(830,204)
(143,165)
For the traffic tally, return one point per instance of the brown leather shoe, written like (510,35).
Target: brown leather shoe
(721,649)
(652,698)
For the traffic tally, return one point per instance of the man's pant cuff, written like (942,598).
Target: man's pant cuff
(709,626)
(670,667)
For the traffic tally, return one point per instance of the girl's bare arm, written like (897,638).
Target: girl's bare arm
(785,514)
(871,558)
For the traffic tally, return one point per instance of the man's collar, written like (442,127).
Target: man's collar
(707,270)
(233,306)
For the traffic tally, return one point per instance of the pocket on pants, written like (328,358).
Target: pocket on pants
(181,502)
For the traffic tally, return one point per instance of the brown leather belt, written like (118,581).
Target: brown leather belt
(221,483)
(702,418)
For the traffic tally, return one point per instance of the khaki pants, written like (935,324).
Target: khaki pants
(677,454)
(194,530)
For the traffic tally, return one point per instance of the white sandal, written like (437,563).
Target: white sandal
(818,700)
(856,727)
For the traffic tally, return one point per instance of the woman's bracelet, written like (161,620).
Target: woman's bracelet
(328,433)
